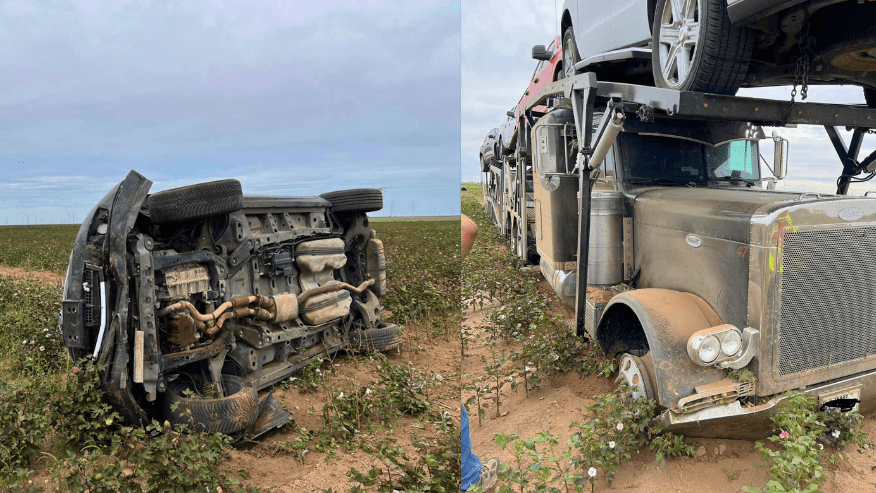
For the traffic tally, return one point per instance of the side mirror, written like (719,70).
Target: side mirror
(540,53)
(780,165)
(510,113)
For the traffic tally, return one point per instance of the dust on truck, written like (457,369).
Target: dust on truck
(694,264)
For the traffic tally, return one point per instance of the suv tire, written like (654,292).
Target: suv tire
(382,338)
(355,200)
(231,414)
(570,53)
(195,201)
(715,59)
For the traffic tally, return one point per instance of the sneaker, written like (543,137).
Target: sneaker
(489,471)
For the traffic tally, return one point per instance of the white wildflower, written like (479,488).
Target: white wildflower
(591,472)
(527,369)
(318,370)
(42,348)
(502,317)
(835,433)
(341,396)
(611,444)
(292,379)
(620,427)
(45,330)
(367,391)
(25,342)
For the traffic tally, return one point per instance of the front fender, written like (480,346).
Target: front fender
(668,319)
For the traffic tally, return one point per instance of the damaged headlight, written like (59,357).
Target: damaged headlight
(724,346)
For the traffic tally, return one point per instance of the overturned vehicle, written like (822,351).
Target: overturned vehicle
(197,298)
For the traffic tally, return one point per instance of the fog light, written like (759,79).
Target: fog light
(731,343)
(708,349)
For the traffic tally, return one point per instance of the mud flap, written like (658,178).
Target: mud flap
(271,415)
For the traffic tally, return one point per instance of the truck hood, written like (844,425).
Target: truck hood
(725,213)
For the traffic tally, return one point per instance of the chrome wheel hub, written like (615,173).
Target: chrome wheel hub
(634,373)
(678,39)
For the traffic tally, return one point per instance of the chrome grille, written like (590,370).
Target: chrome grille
(828,298)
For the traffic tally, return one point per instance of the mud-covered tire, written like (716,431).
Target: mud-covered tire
(229,415)
(382,338)
(355,200)
(195,201)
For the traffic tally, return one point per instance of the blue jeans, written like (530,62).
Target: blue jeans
(470,464)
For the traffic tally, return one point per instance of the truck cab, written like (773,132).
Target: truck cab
(695,266)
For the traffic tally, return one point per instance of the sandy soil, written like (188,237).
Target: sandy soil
(282,472)
(720,465)
(18,274)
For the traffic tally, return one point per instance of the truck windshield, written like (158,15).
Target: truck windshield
(665,160)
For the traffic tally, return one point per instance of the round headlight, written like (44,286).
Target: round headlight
(708,350)
(731,343)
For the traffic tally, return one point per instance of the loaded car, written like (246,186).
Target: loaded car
(197,298)
(488,150)
(719,46)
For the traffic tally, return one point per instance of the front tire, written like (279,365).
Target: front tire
(195,201)
(570,53)
(233,414)
(696,49)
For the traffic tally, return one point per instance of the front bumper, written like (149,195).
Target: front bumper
(734,421)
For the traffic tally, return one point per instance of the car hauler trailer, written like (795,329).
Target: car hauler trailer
(652,200)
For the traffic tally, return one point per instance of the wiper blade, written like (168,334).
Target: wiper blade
(732,179)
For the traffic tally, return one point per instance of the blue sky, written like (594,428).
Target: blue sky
(497,39)
(295,98)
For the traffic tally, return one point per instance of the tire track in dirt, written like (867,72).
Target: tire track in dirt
(18,273)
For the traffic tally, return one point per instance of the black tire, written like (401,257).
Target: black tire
(721,52)
(355,200)
(230,415)
(195,201)
(383,338)
(570,52)
(870,96)
(849,47)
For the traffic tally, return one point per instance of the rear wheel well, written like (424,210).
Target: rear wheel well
(620,331)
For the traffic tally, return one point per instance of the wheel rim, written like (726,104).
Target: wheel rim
(633,371)
(678,39)
(568,58)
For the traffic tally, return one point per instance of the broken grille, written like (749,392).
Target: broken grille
(91,313)
(828,298)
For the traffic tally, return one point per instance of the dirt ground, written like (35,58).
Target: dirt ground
(20,274)
(720,465)
(281,472)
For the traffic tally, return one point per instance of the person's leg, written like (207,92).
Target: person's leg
(469,233)
(470,464)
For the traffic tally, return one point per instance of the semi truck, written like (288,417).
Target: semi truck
(651,213)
